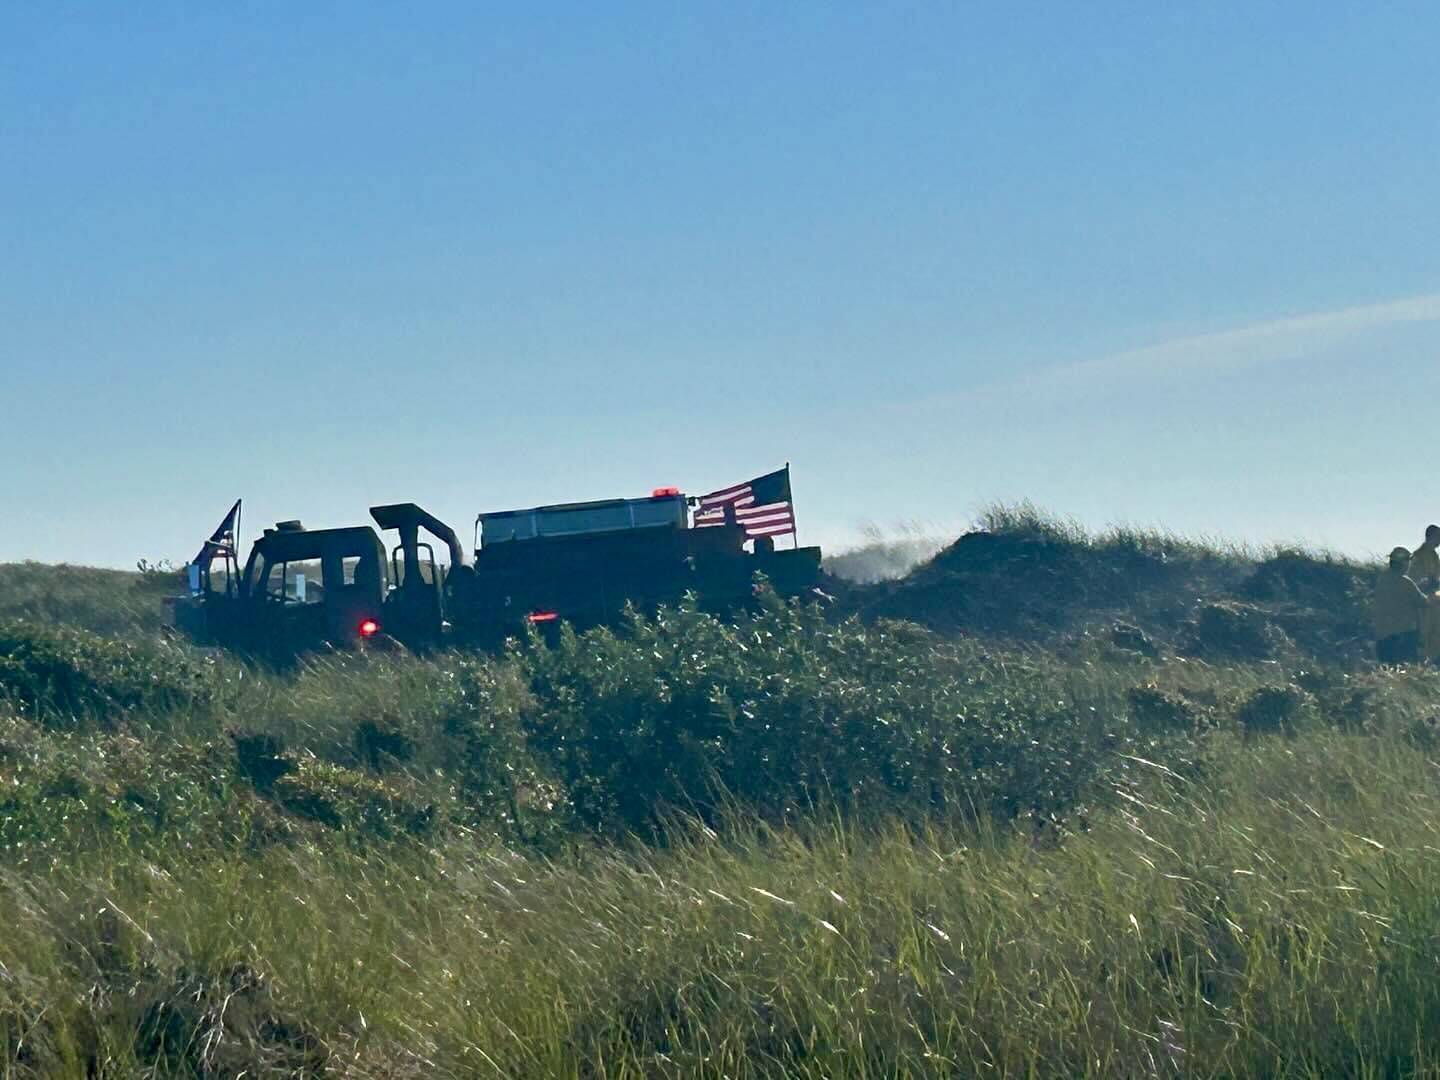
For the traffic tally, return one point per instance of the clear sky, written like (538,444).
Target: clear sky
(1155,263)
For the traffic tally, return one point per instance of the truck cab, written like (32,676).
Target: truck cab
(305,589)
(300,589)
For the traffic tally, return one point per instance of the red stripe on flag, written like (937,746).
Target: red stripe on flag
(760,511)
(720,498)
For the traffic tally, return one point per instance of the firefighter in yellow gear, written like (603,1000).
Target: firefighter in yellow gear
(1425,572)
(1399,609)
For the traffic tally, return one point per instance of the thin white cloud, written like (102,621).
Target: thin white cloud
(1263,343)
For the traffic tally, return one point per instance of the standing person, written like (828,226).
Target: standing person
(1425,572)
(1425,561)
(1398,610)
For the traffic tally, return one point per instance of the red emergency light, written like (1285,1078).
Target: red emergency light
(543,616)
(369,628)
(662,492)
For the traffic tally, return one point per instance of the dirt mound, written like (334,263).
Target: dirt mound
(1321,603)
(1044,585)
(987,552)
(1033,584)
(985,582)
(1299,578)
(1231,630)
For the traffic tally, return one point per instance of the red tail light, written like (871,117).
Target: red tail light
(543,616)
(369,628)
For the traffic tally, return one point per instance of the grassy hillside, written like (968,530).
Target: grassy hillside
(104,601)
(1060,819)
(1025,577)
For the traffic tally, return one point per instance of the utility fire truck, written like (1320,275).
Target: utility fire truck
(582,563)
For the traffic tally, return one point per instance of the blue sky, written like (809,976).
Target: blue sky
(1134,262)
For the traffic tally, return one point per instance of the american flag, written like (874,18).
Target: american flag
(222,540)
(762,506)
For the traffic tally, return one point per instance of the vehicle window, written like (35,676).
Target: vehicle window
(587,519)
(274,581)
(500,528)
(295,582)
(659,512)
(220,578)
(305,582)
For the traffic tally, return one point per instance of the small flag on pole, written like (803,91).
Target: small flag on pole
(222,540)
(762,506)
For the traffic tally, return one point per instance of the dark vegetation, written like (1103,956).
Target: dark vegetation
(1049,803)
(111,602)
(1027,578)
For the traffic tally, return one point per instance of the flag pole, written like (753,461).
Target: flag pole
(794,521)
(232,571)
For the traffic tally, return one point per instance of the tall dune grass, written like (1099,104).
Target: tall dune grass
(867,850)
(1276,917)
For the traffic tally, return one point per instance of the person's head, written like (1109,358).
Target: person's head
(1432,536)
(1400,559)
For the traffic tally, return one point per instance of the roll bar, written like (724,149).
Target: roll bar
(408,519)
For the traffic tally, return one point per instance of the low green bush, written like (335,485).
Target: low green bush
(1277,710)
(345,799)
(67,677)
(111,602)
(59,790)
(1162,711)
(787,710)
(1232,630)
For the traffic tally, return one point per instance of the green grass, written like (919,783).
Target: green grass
(792,846)
(105,601)
(1029,578)
(1027,519)
(1279,920)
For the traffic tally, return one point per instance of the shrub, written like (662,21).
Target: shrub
(260,758)
(1276,709)
(327,793)
(64,676)
(346,799)
(1157,711)
(785,710)
(59,787)
(503,783)
(104,601)
(379,746)
(1232,630)
(1320,581)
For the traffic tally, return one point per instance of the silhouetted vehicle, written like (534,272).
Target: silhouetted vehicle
(583,562)
(303,589)
(579,563)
